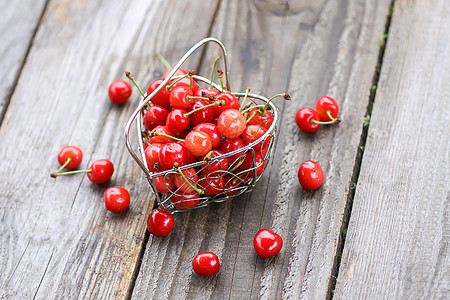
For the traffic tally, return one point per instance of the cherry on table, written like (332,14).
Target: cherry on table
(119,91)
(326,105)
(70,157)
(206,264)
(310,175)
(117,199)
(101,171)
(304,119)
(267,243)
(160,222)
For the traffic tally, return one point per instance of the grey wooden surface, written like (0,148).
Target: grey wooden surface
(308,51)
(58,240)
(397,244)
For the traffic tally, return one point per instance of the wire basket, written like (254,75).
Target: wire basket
(233,173)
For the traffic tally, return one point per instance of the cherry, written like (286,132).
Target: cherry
(176,120)
(119,91)
(231,102)
(310,175)
(267,243)
(212,130)
(70,157)
(261,117)
(161,134)
(116,199)
(248,165)
(231,123)
(206,264)
(152,155)
(230,145)
(172,153)
(327,108)
(190,157)
(304,119)
(160,222)
(213,185)
(155,115)
(198,143)
(186,200)
(165,184)
(231,185)
(203,92)
(162,97)
(179,97)
(252,133)
(179,72)
(100,171)
(204,115)
(183,183)
(217,165)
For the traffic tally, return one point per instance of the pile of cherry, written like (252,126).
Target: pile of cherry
(184,124)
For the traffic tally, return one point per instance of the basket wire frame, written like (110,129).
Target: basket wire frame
(235,182)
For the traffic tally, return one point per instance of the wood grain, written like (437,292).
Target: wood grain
(397,243)
(17,26)
(308,50)
(58,240)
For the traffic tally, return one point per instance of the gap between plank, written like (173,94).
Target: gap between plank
(359,156)
(140,257)
(19,72)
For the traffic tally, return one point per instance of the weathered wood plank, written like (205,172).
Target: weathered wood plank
(397,244)
(309,50)
(58,240)
(17,26)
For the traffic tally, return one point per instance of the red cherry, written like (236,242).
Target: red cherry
(185,201)
(206,264)
(101,171)
(212,185)
(190,157)
(74,153)
(161,139)
(116,198)
(230,145)
(231,123)
(304,118)
(231,102)
(310,175)
(212,130)
(231,185)
(119,91)
(217,165)
(252,133)
(204,115)
(176,121)
(199,92)
(172,153)
(162,97)
(261,118)
(325,104)
(185,82)
(267,243)
(247,165)
(160,222)
(179,97)
(181,183)
(152,155)
(155,115)
(198,143)
(179,72)
(165,184)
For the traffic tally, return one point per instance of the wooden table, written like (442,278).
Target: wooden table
(378,227)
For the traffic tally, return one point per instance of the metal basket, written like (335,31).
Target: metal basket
(234,180)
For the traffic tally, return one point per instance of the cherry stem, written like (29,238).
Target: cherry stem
(212,98)
(336,120)
(156,133)
(68,160)
(284,95)
(216,103)
(241,161)
(247,90)
(220,72)
(212,73)
(164,61)
(173,83)
(201,192)
(54,175)
(252,107)
(131,77)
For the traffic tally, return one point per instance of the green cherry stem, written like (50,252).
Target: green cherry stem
(131,77)
(251,117)
(252,107)
(68,160)
(54,175)
(247,90)
(156,133)
(176,167)
(216,103)
(168,87)
(324,122)
(284,95)
(212,98)
(164,61)
(220,72)
(336,120)
(212,73)
(240,162)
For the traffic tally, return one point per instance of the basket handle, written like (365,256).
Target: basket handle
(147,99)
